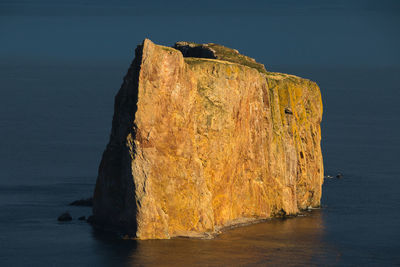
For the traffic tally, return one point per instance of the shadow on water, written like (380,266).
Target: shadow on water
(294,241)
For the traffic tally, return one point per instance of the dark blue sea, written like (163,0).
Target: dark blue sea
(62,62)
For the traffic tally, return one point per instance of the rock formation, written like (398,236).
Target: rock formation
(205,138)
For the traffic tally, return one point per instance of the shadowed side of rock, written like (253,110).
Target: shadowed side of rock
(114,204)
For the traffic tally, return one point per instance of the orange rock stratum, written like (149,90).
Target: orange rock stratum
(204,138)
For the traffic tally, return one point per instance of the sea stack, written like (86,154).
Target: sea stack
(205,138)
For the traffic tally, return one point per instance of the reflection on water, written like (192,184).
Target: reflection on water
(297,241)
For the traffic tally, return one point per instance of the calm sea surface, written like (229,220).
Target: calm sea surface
(59,72)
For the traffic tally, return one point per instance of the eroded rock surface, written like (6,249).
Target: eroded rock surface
(207,141)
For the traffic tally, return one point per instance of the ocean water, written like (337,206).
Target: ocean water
(63,62)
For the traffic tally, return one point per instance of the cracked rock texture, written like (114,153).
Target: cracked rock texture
(207,141)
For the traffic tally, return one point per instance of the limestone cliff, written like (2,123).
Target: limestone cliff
(206,141)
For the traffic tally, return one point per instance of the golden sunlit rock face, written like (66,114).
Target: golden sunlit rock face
(199,144)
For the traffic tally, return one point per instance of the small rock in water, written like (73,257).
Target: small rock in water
(88,202)
(65,217)
(339,175)
(82,218)
(90,219)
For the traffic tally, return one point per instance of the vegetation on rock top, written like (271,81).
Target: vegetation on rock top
(216,51)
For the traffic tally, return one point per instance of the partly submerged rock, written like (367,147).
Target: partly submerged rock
(65,217)
(90,219)
(87,202)
(208,141)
